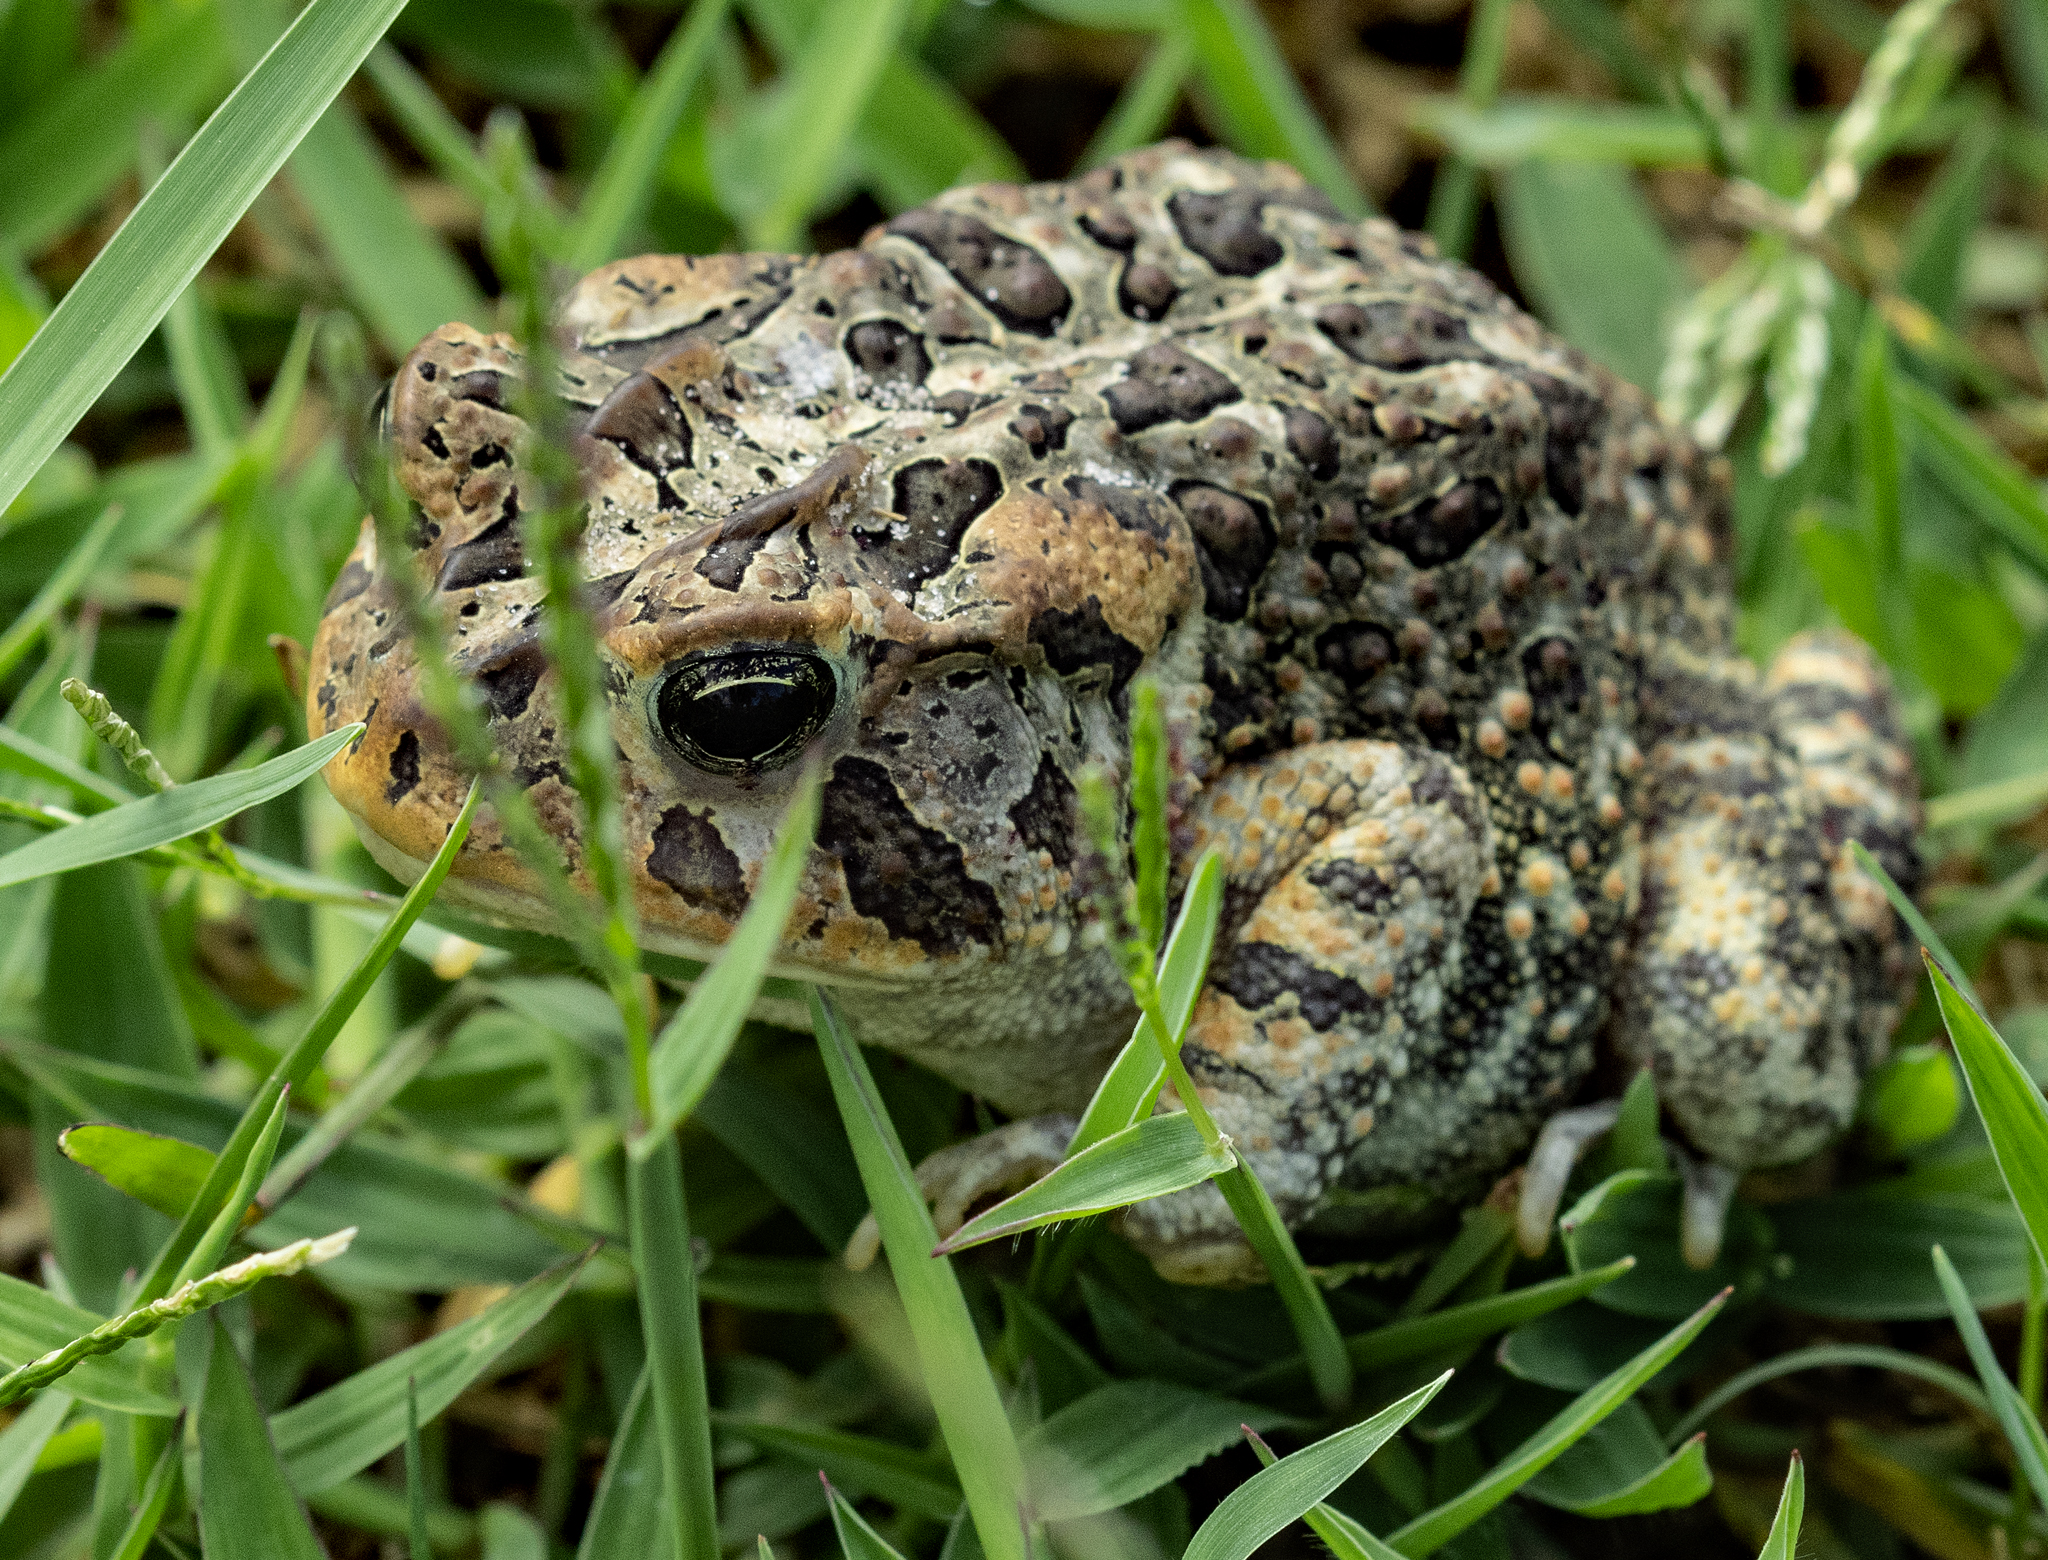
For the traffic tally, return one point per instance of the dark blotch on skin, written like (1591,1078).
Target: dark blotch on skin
(1399,336)
(1258,974)
(689,855)
(1135,509)
(1011,280)
(485,386)
(1224,229)
(405,766)
(353,580)
(509,678)
(912,879)
(742,533)
(1042,428)
(1044,815)
(1353,884)
(494,553)
(940,499)
(1574,417)
(1234,541)
(888,353)
(1111,228)
(1074,641)
(1311,441)
(1167,385)
(641,418)
(436,445)
(1146,291)
(1355,652)
(1442,529)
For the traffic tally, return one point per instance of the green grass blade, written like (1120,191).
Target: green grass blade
(629,1516)
(826,87)
(1983,477)
(881,1468)
(23,755)
(1329,1363)
(658,1224)
(1146,105)
(1128,1090)
(22,1442)
(964,1393)
(156,1497)
(342,1430)
(404,278)
(1124,1440)
(306,1052)
(1150,1158)
(857,1540)
(1831,1356)
(1454,194)
(438,134)
(1261,104)
(58,589)
(620,188)
(132,281)
(2022,1429)
(1273,1497)
(1437,1527)
(151,821)
(1782,1543)
(207,1250)
(246,1509)
(696,1042)
(58,161)
(1916,923)
(415,1477)
(1346,1536)
(2015,1118)
(1679,1480)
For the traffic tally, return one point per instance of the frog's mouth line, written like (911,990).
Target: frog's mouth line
(507,907)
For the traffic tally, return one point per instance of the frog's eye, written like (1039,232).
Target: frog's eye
(743,711)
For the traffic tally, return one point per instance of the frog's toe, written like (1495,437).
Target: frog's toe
(1559,1147)
(1703,1215)
(954,1179)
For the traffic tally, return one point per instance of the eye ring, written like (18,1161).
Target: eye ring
(745,712)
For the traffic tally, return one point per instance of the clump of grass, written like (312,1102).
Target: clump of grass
(625,1209)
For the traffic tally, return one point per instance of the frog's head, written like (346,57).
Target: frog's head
(943,624)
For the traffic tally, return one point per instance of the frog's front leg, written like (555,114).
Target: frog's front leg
(1333,1003)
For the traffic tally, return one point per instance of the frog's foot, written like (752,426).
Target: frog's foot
(1559,1147)
(954,1179)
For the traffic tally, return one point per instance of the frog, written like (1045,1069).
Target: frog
(1438,615)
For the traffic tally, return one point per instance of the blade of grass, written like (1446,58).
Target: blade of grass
(149,1511)
(881,1468)
(1916,923)
(33,1321)
(131,282)
(1454,196)
(58,589)
(1273,1497)
(1346,1536)
(438,134)
(1146,105)
(22,1443)
(629,1516)
(1830,1356)
(2015,1118)
(150,821)
(415,1477)
(248,1511)
(1782,1543)
(632,162)
(857,1540)
(827,86)
(658,1224)
(1151,1158)
(304,1055)
(1437,1527)
(1261,105)
(340,1431)
(964,1393)
(2022,1430)
(696,1042)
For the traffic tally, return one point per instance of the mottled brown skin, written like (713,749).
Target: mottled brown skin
(1438,610)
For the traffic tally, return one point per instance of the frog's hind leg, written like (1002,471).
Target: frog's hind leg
(1350,1017)
(1765,969)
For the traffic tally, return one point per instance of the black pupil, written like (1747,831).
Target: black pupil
(739,711)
